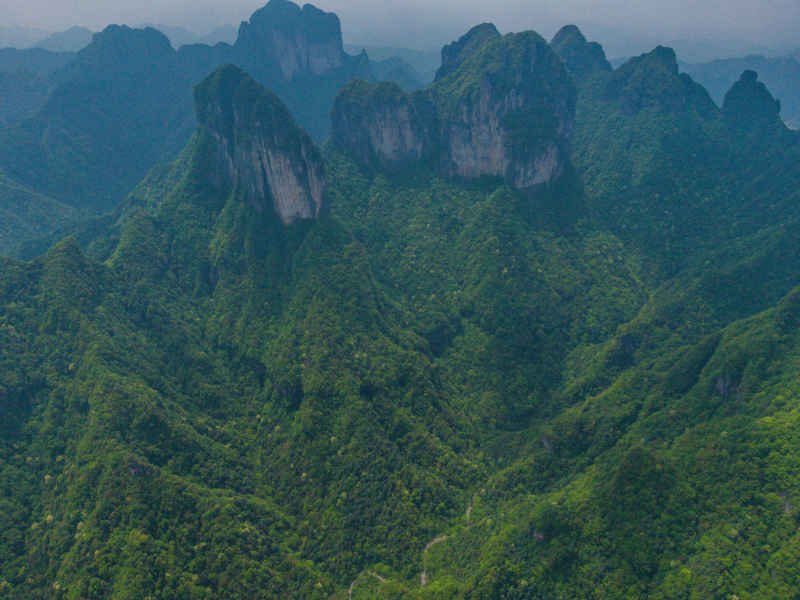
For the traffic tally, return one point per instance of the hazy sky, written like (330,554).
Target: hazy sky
(418,23)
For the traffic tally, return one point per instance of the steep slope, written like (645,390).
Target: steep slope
(124,103)
(281,373)
(118,110)
(260,151)
(26,215)
(284,37)
(666,170)
(582,58)
(455,53)
(501,107)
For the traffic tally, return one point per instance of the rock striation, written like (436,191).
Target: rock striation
(506,110)
(258,149)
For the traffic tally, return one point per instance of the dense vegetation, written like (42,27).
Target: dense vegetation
(441,389)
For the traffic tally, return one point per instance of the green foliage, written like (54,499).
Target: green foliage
(436,382)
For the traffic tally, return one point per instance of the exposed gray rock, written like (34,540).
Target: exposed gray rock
(305,40)
(259,151)
(381,124)
(506,111)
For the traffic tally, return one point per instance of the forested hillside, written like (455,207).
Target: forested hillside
(530,332)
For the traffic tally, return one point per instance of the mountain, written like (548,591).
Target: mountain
(476,120)
(781,75)
(455,53)
(750,104)
(397,70)
(259,150)
(21,94)
(582,58)
(179,36)
(35,61)
(284,371)
(107,115)
(663,167)
(20,37)
(90,153)
(424,62)
(70,40)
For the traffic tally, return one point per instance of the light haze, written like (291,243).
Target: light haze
(428,23)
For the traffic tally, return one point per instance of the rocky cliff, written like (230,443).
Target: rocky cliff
(381,124)
(506,110)
(294,40)
(258,149)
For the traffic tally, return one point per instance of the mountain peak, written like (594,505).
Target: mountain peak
(569,33)
(665,56)
(749,102)
(652,80)
(455,53)
(259,150)
(294,39)
(582,58)
(118,46)
(505,110)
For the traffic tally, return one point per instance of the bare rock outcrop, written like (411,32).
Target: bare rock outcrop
(381,124)
(506,110)
(297,40)
(259,151)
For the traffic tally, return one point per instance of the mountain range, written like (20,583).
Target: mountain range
(85,133)
(529,331)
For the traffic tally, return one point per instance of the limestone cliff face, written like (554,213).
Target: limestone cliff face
(380,124)
(506,110)
(292,39)
(512,115)
(258,150)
